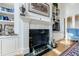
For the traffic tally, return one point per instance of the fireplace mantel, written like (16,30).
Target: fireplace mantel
(23,24)
(33,19)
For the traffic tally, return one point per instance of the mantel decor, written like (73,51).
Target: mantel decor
(22,9)
(40,8)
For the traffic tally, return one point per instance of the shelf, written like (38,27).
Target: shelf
(6,13)
(8,5)
(6,22)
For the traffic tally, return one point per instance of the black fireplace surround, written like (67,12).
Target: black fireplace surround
(39,39)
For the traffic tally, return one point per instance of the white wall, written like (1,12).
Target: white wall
(72,9)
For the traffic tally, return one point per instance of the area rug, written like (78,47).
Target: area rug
(73,51)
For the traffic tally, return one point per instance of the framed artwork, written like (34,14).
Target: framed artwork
(9,29)
(22,9)
(40,8)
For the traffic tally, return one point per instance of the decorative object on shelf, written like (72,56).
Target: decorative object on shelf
(12,19)
(23,9)
(40,8)
(3,9)
(56,5)
(6,30)
(5,18)
(56,25)
(7,9)
(54,43)
(9,29)
(1,17)
(0,29)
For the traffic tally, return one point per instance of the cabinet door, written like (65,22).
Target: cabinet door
(16,43)
(8,46)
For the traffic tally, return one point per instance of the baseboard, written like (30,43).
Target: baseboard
(10,54)
(59,40)
(26,51)
(23,51)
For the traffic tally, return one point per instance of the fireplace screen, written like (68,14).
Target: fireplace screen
(38,37)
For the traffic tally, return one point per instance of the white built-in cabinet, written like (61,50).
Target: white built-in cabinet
(8,45)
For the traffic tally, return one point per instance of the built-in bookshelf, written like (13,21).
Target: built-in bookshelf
(55,17)
(6,17)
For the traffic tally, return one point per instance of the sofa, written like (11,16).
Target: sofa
(73,34)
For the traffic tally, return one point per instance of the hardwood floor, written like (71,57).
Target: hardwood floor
(61,47)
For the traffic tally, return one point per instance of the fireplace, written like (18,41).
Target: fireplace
(39,39)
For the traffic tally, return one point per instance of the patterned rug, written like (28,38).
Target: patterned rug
(73,51)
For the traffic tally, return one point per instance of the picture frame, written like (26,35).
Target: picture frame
(8,28)
(40,8)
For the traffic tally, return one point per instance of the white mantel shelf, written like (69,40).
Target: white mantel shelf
(33,19)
